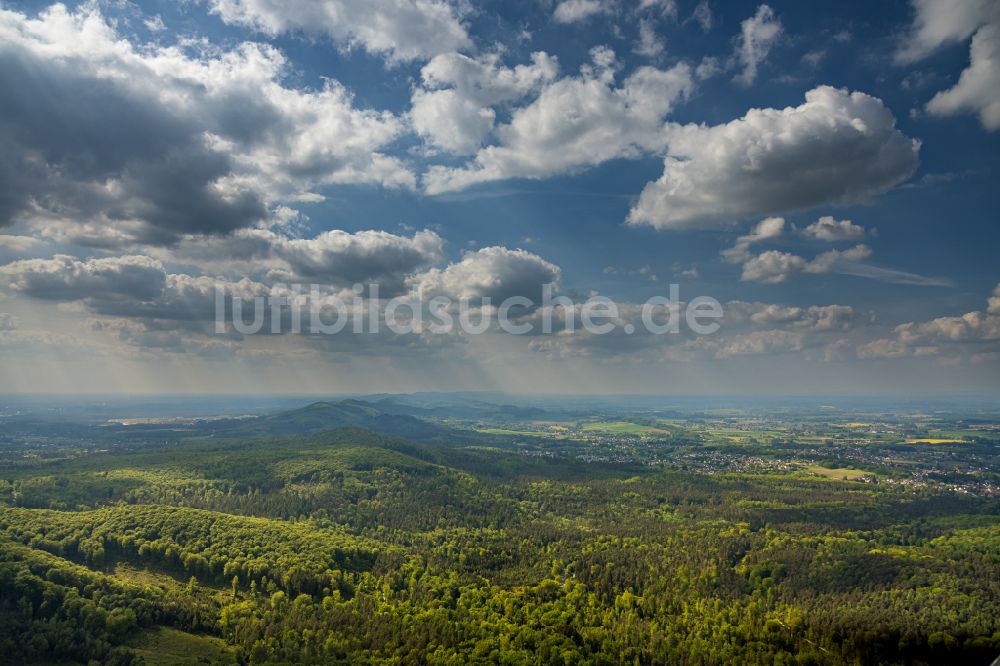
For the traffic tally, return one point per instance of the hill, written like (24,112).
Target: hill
(321,416)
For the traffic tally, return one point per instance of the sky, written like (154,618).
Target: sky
(826,171)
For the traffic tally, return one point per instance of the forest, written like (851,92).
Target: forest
(286,541)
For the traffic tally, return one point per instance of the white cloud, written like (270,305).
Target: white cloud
(17,244)
(758,35)
(666,7)
(155,24)
(830,230)
(767,229)
(814,317)
(939,22)
(836,148)
(993,304)
(341,258)
(747,329)
(572,11)
(762,342)
(449,121)
(145,142)
(772,267)
(703,15)
(978,88)
(708,67)
(452,110)
(831,259)
(576,122)
(775,266)
(882,348)
(974,336)
(494,272)
(333,257)
(397,29)
(67,278)
(650,44)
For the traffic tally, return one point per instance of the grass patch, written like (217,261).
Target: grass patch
(623,428)
(164,646)
(515,433)
(841,473)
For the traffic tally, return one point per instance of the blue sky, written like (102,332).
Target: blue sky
(824,170)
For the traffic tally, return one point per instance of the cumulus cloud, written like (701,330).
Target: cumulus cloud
(775,266)
(397,29)
(836,148)
(453,109)
(746,329)
(67,278)
(335,258)
(829,230)
(771,267)
(341,258)
(767,229)
(572,11)
(761,342)
(133,290)
(770,328)
(495,272)
(831,259)
(993,304)
(974,335)
(574,123)
(812,317)
(449,121)
(978,88)
(143,143)
(136,300)
(939,22)
(758,35)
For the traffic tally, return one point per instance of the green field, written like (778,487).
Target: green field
(623,428)
(163,646)
(838,473)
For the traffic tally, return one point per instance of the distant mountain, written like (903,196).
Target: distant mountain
(328,415)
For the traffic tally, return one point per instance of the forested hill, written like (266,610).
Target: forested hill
(328,415)
(347,546)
